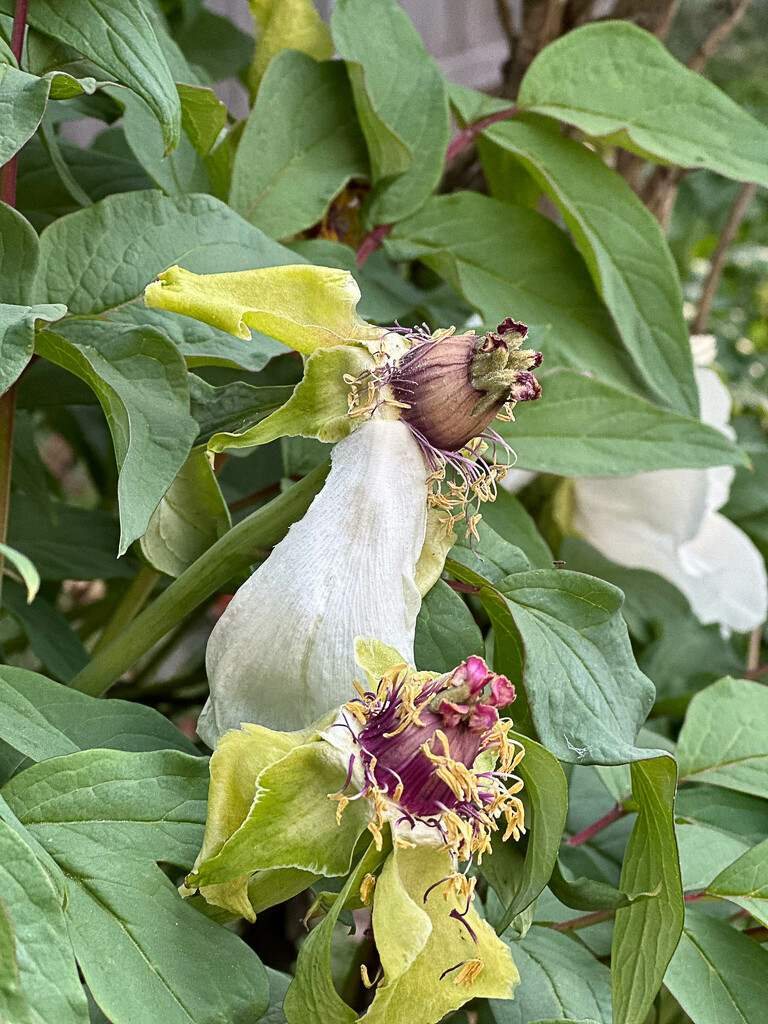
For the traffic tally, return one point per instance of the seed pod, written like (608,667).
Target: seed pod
(456,386)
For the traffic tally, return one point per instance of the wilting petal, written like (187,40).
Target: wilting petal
(283,652)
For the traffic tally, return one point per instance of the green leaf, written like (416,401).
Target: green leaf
(401,102)
(51,637)
(492,555)
(718,974)
(140,380)
(116,36)
(318,406)
(745,882)
(178,173)
(558,978)
(624,248)
(278,986)
(546,798)
(704,853)
(723,741)
(191,516)
(232,408)
(23,99)
(583,427)
(303,306)
(418,942)
(203,116)
(283,181)
(311,996)
(26,569)
(646,932)
(43,719)
(467,239)
(510,520)
(106,817)
(585,694)
(41,982)
(17,337)
(67,543)
(745,817)
(131,238)
(292,822)
(584,893)
(18,256)
(201,344)
(446,632)
(640,110)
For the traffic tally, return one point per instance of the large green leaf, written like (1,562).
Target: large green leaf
(18,255)
(745,882)
(50,636)
(718,974)
(23,99)
(651,104)
(116,36)
(509,519)
(470,240)
(191,516)
(106,817)
(131,238)
(704,853)
(140,380)
(563,634)
(546,803)
(583,427)
(66,542)
(43,719)
(647,931)
(17,337)
(558,978)
(723,740)
(300,146)
(624,249)
(400,96)
(737,814)
(232,408)
(446,632)
(201,344)
(39,980)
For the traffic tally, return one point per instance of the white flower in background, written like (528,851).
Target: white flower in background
(667,521)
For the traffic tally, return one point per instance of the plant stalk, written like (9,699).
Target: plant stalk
(597,826)
(130,606)
(228,556)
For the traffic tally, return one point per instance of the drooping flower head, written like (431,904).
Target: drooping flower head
(417,742)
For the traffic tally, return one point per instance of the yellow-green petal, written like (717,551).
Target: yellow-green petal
(286,24)
(418,941)
(303,306)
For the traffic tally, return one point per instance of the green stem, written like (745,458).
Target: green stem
(229,555)
(129,607)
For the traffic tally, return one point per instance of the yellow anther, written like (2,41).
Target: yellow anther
(469,973)
(366,888)
(376,833)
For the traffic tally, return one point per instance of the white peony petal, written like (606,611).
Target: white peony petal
(667,502)
(516,479)
(714,401)
(282,653)
(723,576)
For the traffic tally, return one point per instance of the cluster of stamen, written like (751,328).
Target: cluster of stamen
(417,741)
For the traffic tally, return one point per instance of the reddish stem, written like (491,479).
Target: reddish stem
(467,135)
(582,922)
(463,140)
(463,588)
(8,172)
(597,826)
(372,242)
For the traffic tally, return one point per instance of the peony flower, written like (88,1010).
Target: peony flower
(667,521)
(411,412)
(424,763)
